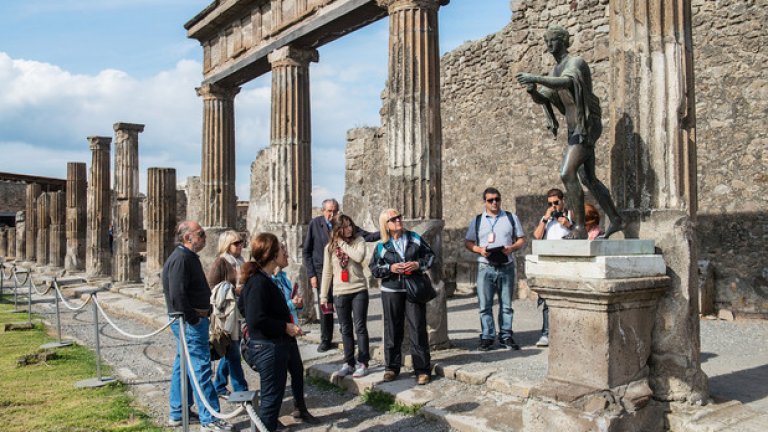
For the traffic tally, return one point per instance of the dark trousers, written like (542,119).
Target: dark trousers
(326,320)
(296,369)
(353,308)
(270,359)
(544,316)
(397,311)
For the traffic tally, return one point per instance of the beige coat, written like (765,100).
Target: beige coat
(332,270)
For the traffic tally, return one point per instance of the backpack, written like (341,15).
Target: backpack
(479,218)
(222,319)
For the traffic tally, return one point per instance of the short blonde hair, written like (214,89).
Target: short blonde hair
(384,217)
(226,240)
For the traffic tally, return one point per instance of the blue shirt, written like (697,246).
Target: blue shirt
(502,230)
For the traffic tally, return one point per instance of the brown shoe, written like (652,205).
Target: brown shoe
(390,375)
(422,379)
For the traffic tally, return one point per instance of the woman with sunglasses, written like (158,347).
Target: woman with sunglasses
(399,254)
(224,299)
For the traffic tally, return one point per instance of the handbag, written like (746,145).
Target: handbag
(418,288)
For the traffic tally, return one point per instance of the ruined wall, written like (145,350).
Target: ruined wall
(12,196)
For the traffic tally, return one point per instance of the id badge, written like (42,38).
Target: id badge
(491,237)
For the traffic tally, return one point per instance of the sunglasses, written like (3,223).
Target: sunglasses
(491,200)
(239,243)
(395,219)
(553,203)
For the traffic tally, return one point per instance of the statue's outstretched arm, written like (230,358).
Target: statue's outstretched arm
(547,81)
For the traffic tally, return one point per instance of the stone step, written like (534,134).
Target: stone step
(731,416)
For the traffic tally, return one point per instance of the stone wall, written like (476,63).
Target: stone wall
(493,135)
(12,196)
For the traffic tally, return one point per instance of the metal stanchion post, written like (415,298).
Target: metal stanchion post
(61,343)
(29,299)
(183,371)
(99,381)
(16,292)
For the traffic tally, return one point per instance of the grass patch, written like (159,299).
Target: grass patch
(42,396)
(324,385)
(385,402)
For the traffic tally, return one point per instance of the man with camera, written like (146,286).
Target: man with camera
(495,235)
(554,225)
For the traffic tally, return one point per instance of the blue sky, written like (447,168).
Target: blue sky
(71,68)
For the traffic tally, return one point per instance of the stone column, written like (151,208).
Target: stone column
(414,133)
(33,191)
(127,261)
(218,161)
(653,121)
(98,262)
(58,229)
(4,242)
(11,254)
(77,185)
(43,228)
(21,235)
(161,222)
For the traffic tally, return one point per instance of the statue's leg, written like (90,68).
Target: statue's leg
(574,195)
(589,178)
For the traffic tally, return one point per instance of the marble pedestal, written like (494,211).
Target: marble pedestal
(602,298)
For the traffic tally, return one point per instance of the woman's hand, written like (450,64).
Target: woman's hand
(396,268)
(323,301)
(293,330)
(298,302)
(410,266)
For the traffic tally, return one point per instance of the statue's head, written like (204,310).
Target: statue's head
(557,32)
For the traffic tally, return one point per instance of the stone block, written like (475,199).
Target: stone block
(592,248)
(598,267)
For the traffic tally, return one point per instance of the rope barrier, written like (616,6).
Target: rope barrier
(34,286)
(66,304)
(16,275)
(130,335)
(255,420)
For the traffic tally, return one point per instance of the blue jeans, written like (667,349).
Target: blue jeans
(200,354)
(492,281)
(230,365)
(270,358)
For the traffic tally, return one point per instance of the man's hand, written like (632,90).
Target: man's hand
(313,282)
(548,213)
(562,220)
(509,249)
(293,330)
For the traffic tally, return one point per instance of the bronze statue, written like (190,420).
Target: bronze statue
(569,89)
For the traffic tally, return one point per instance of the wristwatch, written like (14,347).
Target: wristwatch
(544,220)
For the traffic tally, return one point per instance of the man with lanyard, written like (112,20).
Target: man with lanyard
(554,225)
(314,244)
(495,235)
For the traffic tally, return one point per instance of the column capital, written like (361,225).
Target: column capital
(215,91)
(396,5)
(293,56)
(128,127)
(99,142)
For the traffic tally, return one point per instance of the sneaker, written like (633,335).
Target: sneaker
(509,343)
(193,418)
(324,346)
(390,375)
(422,379)
(543,341)
(485,345)
(344,371)
(360,371)
(216,426)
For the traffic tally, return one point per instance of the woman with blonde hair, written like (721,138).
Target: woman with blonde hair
(342,268)
(223,281)
(402,254)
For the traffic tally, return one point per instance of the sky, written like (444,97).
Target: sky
(70,69)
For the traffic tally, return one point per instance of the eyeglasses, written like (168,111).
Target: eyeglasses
(492,200)
(554,203)
(395,219)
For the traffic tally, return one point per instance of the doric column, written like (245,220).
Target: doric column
(98,261)
(161,221)
(11,254)
(218,161)
(58,231)
(290,136)
(4,242)
(653,122)
(127,263)
(21,235)
(77,184)
(33,191)
(413,125)
(43,228)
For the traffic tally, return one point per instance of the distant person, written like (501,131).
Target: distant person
(592,221)
(186,290)
(313,253)
(398,255)
(225,286)
(554,225)
(342,269)
(495,235)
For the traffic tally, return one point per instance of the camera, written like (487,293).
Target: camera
(557,214)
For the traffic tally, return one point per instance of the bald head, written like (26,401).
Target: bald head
(191,235)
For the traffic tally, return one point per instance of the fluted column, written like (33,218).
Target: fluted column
(290,136)
(218,161)
(4,242)
(98,262)
(77,184)
(11,249)
(43,228)
(30,224)
(21,235)
(58,228)
(161,221)
(413,125)
(653,122)
(127,262)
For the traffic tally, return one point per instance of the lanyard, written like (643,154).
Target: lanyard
(495,221)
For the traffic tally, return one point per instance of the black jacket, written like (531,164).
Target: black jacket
(385,255)
(263,305)
(184,284)
(317,239)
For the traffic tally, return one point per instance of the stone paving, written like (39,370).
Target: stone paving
(471,390)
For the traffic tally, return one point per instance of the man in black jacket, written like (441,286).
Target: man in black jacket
(314,245)
(186,290)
